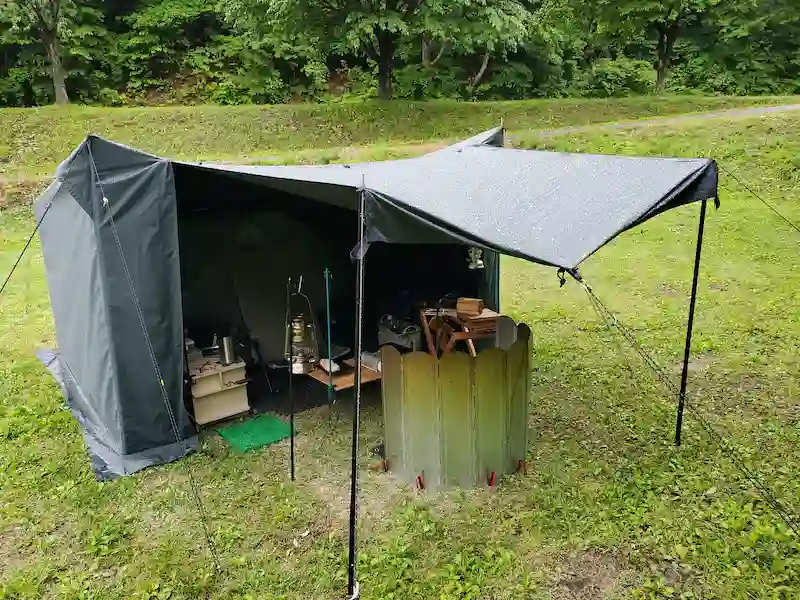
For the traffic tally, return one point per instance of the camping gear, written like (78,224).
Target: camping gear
(452,327)
(227,354)
(302,348)
(399,332)
(476,259)
(213,349)
(371,361)
(219,391)
(125,246)
(456,420)
(255,433)
(345,378)
(192,351)
(329,366)
(469,306)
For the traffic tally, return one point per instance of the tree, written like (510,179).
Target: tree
(481,29)
(369,27)
(45,18)
(665,20)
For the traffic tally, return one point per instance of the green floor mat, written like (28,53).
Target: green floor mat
(255,433)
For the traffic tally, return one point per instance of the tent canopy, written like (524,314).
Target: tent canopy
(136,244)
(552,208)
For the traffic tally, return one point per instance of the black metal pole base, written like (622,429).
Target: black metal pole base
(355,593)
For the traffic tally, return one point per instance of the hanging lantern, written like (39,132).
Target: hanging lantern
(301,347)
(475,259)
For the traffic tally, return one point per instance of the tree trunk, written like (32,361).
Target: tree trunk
(428,60)
(57,71)
(482,71)
(661,77)
(385,57)
(667,35)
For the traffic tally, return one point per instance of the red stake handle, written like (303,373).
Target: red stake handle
(491,479)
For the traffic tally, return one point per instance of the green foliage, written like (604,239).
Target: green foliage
(618,77)
(275,51)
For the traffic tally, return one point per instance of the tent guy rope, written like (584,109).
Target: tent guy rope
(178,438)
(27,245)
(783,217)
(614,324)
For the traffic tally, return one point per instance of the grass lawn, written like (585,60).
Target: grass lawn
(34,141)
(609,508)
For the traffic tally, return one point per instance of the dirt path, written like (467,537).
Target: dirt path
(639,123)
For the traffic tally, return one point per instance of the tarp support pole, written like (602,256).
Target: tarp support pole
(352,583)
(690,323)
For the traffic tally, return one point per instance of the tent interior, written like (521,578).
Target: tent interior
(241,240)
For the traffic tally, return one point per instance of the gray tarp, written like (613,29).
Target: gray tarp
(551,208)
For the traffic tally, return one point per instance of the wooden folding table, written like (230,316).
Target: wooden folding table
(451,328)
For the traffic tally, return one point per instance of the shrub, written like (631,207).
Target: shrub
(611,78)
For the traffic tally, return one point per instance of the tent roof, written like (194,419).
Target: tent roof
(548,207)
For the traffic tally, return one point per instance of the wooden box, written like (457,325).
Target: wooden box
(469,306)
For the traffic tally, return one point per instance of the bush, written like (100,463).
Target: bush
(419,82)
(610,78)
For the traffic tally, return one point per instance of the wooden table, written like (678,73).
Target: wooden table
(346,378)
(451,328)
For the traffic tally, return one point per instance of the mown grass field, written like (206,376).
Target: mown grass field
(609,508)
(34,141)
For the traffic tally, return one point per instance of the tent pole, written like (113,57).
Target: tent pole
(352,583)
(328,277)
(291,376)
(291,422)
(690,323)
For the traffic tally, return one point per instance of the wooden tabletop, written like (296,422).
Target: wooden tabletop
(346,378)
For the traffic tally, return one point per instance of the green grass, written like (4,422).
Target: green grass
(609,508)
(35,141)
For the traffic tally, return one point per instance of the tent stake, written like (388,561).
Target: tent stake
(352,583)
(690,323)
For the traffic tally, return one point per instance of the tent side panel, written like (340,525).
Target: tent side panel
(142,243)
(490,283)
(74,277)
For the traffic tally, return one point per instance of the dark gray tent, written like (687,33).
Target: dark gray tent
(203,244)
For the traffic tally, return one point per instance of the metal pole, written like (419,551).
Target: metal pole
(291,422)
(330,358)
(688,348)
(352,583)
(291,377)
